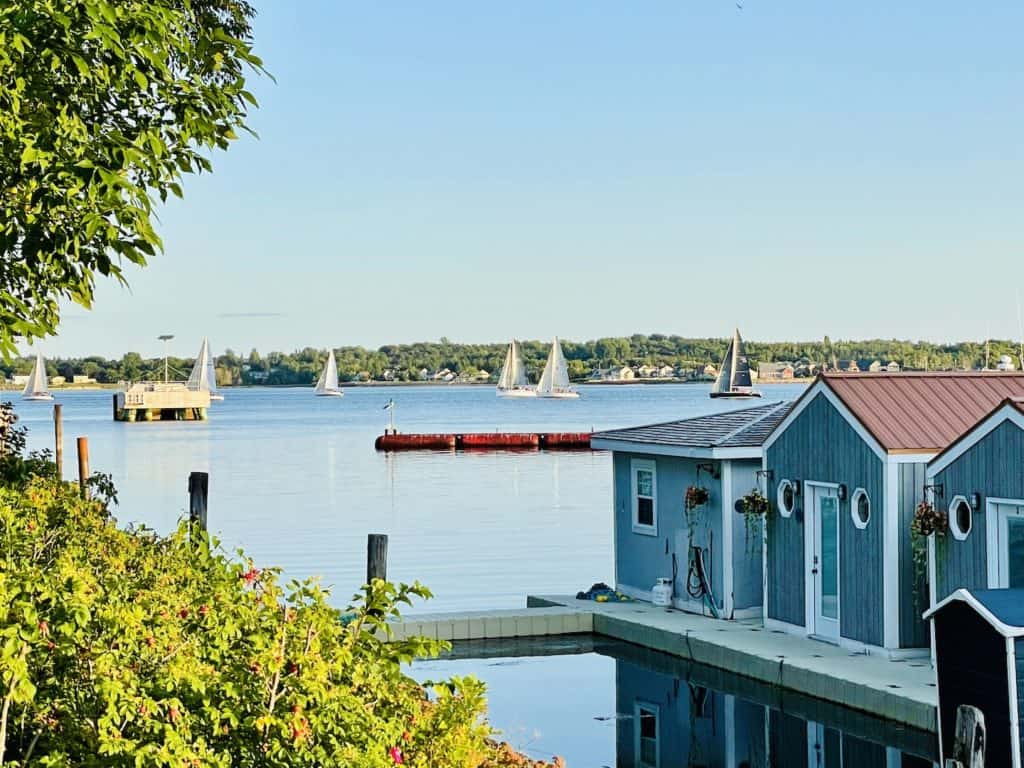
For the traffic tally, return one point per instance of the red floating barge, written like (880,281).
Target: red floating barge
(555,441)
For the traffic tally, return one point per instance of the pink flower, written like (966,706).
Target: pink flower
(396,755)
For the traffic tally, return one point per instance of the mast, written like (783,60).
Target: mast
(737,350)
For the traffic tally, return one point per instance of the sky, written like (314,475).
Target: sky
(481,171)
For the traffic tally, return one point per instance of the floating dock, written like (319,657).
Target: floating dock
(561,441)
(159,401)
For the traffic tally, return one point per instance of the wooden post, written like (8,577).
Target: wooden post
(198,494)
(376,557)
(115,405)
(969,739)
(83,466)
(58,439)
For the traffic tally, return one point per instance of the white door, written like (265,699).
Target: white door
(824,581)
(1006,540)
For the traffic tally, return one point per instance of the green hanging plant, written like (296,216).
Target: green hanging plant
(695,498)
(754,508)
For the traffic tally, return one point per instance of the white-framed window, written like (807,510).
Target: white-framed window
(644,480)
(786,498)
(961,517)
(646,725)
(860,508)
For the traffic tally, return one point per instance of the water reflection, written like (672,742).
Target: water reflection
(650,710)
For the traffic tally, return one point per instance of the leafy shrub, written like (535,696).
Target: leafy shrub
(124,648)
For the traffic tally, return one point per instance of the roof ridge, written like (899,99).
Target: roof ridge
(688,419)
(771,410)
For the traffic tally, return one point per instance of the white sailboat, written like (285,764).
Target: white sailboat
(203,376)
(554,382)
(734,378)
(513,382)
(327,384)
(37,387)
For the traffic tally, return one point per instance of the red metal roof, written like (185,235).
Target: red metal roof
(922,411)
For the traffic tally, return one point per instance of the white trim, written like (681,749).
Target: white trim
(965,596)
(778,498)
(643,465)
(954,528)
(764,545)
(686,605)
(893,758)
(1011,682)
(820,387)
(975,435)
(678,451)
(912,458)
(993,536)
(725,480)
(933,588)
(857,522)
(891,556)
(729,731)
(639,704)
(811,534)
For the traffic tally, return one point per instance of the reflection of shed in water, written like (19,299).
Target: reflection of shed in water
(670,713)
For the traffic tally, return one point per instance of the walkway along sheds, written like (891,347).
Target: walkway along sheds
(846,469)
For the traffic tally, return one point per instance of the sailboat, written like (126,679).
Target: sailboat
(203,376)
(513,382)
(554,382)
(37,388)
(327,384)
(734,377)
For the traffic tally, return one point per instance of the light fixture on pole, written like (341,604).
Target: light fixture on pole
(165,338)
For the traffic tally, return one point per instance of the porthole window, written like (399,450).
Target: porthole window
(860,508)
(961,517)
(786,498)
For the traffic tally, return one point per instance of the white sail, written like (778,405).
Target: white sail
(327,384)
(37,387)
(513,373)
(724,379)
(554,381)
(201,378)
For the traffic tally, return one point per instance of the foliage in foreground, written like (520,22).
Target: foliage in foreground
(124,648)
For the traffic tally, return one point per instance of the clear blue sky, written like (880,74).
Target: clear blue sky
(483,170)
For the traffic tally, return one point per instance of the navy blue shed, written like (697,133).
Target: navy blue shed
(979,660)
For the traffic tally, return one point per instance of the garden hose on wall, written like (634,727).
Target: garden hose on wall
(697,583)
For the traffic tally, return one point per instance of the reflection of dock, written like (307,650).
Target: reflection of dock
(161,401)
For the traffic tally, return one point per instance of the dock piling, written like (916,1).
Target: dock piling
(969,740)
(58,439)
(83,465)
(198,496)
(376,557)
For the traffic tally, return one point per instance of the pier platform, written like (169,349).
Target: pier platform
(899,690)
(464,441)
(161,401)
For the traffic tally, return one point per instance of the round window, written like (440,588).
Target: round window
(786,498)
(860,508)
(960,517)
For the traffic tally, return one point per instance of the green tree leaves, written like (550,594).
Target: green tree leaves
(104,107)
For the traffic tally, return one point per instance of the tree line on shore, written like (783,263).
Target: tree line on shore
(414,362)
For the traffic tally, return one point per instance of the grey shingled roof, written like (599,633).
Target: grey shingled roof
(744,428)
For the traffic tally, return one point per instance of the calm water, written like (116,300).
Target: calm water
(295,481)
(615,704)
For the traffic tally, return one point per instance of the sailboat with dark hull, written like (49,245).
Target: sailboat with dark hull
(734,377)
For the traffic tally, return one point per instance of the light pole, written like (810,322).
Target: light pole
(165,338)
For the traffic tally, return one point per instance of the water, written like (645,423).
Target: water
(296,482)
(623,706)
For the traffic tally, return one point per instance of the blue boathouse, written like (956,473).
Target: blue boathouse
(847,468)
(657,536)
(976,486)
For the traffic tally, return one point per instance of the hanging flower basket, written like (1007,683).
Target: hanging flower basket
(928,520)
(696,496)
(754,504)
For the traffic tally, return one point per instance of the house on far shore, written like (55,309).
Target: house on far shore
(666,372)
(83,380)
(847,468)
(623,373)
(775,371)
(57,381)
(656,536)
(20,379)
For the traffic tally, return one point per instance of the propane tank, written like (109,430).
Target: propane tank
(661,593)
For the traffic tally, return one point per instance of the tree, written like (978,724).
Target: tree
(104,107)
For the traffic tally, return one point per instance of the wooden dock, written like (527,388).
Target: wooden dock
(496,625)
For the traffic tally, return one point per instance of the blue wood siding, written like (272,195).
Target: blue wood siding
(913,577)
(992,468)
(748,573)
(819,445)
(641,559)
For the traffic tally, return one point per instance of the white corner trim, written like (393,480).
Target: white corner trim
(764,547)
(932,591)
(821,388)
(891,556)
(974,436)
(727,493)
(965,596)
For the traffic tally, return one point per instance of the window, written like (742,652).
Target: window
(960,517)
(786,498)
(645,506)
(645,717)
(860,508)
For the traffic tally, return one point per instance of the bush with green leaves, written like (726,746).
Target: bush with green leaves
(125,648)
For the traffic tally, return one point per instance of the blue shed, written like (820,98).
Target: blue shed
(977,486)
(656,536)
(979,656)
(848,468)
